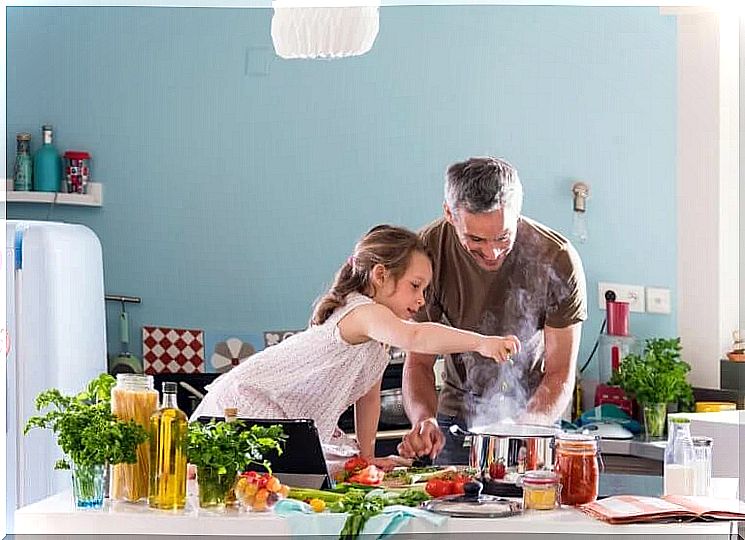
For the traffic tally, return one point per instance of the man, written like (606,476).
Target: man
(495,272)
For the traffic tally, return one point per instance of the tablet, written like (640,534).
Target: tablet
(301,463)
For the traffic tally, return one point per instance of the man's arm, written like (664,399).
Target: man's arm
(420,402)
(554,393)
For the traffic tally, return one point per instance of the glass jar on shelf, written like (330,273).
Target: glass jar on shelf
(578,466)
(133,398)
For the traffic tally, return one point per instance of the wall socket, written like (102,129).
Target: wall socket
(633,294)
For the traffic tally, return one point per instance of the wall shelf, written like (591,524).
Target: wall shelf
(94,197)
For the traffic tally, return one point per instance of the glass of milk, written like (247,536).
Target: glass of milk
(680,459)
(702,466)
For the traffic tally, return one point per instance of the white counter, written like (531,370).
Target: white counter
(57,515)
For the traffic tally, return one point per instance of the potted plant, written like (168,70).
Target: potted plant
(90,436)
(655,378)
(220,450)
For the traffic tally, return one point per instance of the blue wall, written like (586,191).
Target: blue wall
(235,183)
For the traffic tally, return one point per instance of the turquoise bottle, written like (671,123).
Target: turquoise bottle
(47,164)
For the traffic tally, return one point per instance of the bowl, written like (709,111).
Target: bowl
(736,356)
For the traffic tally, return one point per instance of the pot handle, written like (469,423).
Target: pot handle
(459,432)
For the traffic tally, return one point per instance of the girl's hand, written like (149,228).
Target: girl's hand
(387,464)
(501,349)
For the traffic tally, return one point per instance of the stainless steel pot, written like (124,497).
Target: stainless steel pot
(520,447)
(392,407)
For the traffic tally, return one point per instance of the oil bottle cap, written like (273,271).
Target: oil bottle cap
(169,387)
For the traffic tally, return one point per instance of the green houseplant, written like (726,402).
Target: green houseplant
(655,378)
(220,450)
(90,436)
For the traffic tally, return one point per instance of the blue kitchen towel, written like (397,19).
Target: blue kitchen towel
(304,521)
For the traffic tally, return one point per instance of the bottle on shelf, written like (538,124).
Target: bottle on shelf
(22,172)
(679,472)
(168,433)
(47,164)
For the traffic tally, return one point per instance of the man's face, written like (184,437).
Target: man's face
(488,237)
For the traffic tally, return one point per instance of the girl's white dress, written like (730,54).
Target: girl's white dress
(313,374)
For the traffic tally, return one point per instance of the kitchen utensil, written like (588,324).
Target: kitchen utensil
(520,447)
(473,504)
(124,362)
(189,388)
(392,407)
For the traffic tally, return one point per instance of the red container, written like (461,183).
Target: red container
(77,171)
(617,314)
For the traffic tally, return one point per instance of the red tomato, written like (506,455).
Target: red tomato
(438,488)
(456,487)
(497,470)
(355,464)
(370,475)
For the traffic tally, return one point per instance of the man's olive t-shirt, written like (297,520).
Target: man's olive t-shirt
(540,283)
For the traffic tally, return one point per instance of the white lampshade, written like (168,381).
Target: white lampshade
(324,32)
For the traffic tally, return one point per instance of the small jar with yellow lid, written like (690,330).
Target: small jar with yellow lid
(540,490)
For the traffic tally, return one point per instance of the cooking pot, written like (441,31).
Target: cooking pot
(520,447)
(392,407)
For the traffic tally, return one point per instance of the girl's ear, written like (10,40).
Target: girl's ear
(378,275)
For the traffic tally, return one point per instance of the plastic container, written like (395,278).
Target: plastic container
(578,468)
(133,398)
(77,171)
(715,406)
(541,490)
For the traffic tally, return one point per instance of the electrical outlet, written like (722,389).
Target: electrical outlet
(633,294)
(658,300)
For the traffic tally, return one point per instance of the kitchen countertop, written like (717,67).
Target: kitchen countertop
(57,515)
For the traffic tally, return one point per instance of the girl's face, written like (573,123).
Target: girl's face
(406,296)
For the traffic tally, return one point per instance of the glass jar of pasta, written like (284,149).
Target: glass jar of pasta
(133,398)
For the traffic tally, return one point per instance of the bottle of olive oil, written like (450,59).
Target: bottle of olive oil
(168,427)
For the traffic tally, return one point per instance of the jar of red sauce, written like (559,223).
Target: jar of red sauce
(578,468)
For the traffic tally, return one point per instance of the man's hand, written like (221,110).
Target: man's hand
(424,439)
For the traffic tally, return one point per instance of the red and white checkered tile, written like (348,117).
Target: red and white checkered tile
(172,350)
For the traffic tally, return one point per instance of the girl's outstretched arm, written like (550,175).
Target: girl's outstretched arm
(375,321)
(366,416)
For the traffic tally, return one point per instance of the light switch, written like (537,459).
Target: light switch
(658,301)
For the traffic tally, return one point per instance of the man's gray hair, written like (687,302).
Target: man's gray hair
(483,184)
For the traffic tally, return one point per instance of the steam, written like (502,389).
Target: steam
(499,392)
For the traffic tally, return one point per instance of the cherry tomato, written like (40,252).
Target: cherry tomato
(497,470)
(437,488)
(456,487)
(355,464)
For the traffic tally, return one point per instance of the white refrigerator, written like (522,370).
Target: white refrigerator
(55,319)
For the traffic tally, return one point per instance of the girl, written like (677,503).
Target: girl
(340,358)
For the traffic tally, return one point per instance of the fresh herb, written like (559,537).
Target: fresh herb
(87,432)
(230,447)
(656,376)
(362,506)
